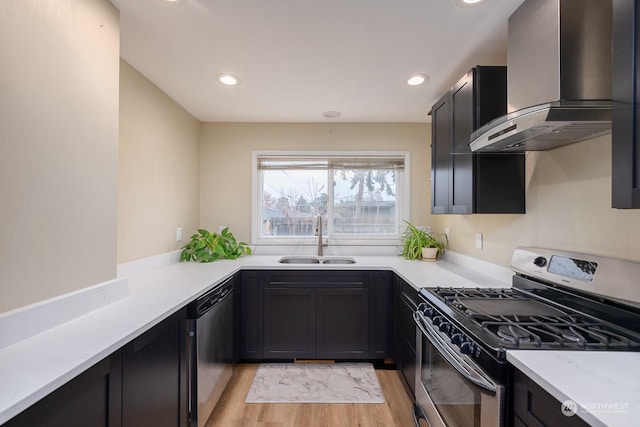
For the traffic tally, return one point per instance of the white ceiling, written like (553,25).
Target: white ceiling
(299,58)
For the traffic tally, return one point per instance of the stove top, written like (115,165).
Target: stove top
(514,319)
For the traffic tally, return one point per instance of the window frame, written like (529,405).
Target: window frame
(403,202)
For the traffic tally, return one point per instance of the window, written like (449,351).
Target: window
(360,197)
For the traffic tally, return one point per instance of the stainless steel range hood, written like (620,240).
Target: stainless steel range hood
(558,77)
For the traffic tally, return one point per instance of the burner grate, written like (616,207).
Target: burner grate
(504,318)
(573,332)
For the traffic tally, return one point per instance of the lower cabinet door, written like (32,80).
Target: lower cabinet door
(534,406)
(343,319)
(250,316)
(407,361)
(381,315)
(90,399)
(289,323)
(406,334)
(154,377)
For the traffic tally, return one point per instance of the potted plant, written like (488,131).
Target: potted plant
(205,246)
(418,244)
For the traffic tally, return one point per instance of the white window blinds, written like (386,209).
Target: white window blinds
(330,163)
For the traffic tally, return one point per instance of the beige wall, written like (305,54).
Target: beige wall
(62,192)
(158,177)
(58,147)
(568,189)
(225,161)
(568,207)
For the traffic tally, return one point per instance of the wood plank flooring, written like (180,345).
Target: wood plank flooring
(232,411)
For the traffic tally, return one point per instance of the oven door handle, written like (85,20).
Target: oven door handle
(465,369)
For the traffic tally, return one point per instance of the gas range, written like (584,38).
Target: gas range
(558,301)
(551,306)
(516,319)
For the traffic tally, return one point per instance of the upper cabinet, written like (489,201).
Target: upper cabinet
(626,108)
(463,182)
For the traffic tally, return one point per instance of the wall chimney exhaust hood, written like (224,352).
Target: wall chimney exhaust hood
(558,77)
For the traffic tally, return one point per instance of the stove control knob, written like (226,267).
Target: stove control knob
(426,310)
(457,339)
(540,261)
(437,320)
(445,327)
(466,347)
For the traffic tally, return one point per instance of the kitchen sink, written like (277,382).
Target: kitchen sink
(299,260)
(295,259)
(338,260)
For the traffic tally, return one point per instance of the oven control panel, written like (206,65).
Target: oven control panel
(611,278)
(446,328)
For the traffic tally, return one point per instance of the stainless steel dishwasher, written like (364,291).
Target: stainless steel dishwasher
(211,356)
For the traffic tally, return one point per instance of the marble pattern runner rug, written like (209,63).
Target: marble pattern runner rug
(315,383)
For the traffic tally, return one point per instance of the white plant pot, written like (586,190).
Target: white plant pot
(429,254)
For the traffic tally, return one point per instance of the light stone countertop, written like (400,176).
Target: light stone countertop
(604,385)
(37,365)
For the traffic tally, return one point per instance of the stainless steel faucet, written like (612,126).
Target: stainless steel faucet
(319,234)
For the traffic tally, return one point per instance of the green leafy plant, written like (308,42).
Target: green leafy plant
(205,246)
(414,239)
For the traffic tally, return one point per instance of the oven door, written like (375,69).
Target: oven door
(451,390)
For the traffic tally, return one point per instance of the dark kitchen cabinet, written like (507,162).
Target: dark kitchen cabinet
(315,314)
(463,182)
(625,126)
(142,384)
(154,376)
(250,333)
(328,314)
(342,323)
(404,305)
(441,158)
(289,322)
(381,314)
(93,398)
(534,406)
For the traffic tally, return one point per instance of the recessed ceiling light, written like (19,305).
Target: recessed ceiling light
(468,3)
(175,1)
(228,79)
(417,79)
(331,114)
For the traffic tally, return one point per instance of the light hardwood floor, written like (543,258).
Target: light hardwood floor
(232,410)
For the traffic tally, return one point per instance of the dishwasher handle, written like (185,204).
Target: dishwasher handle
(209,300)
